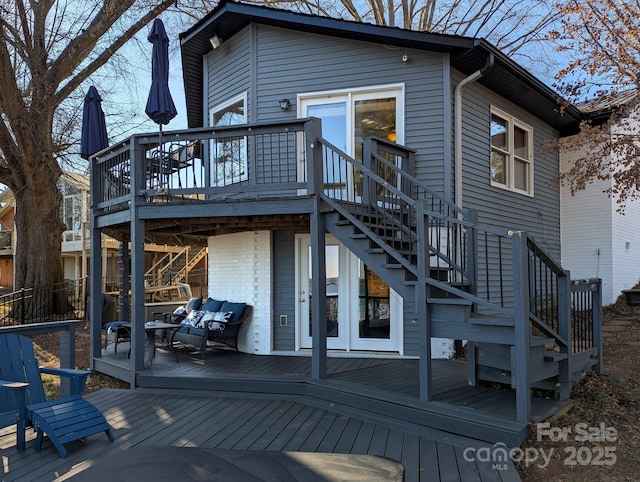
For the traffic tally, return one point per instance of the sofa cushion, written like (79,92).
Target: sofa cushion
(237,309)
(194,330)
(193,318)
(212,305)
(193,304)
(211,316)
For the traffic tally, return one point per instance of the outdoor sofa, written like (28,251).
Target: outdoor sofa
(215,322)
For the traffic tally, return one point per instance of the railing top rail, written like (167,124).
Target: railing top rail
(38,328)
(545,257)
(370,174)
(203,133)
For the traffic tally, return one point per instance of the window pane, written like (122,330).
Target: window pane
(229,154)
(375,118)
(332,254)
(499,128)
(334,129)
(521,143)
(375,313)
(230,116)
(498,164)
(521,175)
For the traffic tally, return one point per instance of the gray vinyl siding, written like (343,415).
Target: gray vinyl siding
(228,71)
(291,63)
(411,329)
(539,214)
(272,63)
(284,290)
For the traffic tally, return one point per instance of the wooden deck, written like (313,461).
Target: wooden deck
(398,377)
(359,386)
(153,417)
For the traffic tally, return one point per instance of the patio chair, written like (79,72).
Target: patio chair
(23,401)
(117,332)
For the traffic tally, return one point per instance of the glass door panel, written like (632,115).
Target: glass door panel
(334,129)
(333,291)
(375,305)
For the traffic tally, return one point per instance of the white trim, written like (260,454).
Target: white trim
(510,153)
(243,97)
(359,93)
(348,339)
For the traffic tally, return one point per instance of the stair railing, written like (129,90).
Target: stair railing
(549,296)
(384,201)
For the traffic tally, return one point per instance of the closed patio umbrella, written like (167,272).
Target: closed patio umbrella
(160,107)
(94,128)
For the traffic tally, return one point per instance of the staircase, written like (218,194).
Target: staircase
(499,291)
(174,267)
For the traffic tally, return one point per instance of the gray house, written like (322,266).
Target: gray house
(406,168)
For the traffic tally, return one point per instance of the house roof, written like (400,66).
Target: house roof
(467,55)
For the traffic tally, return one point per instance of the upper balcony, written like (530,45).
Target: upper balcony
(237,177)
(248,162)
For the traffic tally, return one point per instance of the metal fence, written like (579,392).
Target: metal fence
(63,301)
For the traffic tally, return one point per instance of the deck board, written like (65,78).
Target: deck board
(276,422)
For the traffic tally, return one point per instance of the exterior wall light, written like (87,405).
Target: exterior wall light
(285,105)
(215,41)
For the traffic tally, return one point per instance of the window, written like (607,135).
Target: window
(511,153)
(229,154)
(71,211)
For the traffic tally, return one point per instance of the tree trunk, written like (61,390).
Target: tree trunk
(38,258)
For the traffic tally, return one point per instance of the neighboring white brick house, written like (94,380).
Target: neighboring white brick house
(240,271)
(597,241)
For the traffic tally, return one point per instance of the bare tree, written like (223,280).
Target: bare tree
(48,50)
(603,37)
(517,27)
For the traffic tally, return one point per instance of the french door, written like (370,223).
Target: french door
(363,313)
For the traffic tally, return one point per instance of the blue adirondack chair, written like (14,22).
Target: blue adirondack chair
(23,402)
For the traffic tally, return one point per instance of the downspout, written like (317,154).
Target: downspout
(457,152)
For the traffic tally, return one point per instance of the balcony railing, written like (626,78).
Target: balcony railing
(247,161)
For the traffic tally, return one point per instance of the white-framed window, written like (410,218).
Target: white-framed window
(229,154)
(511,153)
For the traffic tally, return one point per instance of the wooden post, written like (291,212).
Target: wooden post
(318,294)
(422,308)
(95,269)
(472,252)
(137,264)
(313,156)
(522,328)
(564,330)
(67,356)
(596,307)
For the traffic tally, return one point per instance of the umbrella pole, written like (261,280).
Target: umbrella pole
(160,161)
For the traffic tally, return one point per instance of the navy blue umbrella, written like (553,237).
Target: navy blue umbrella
(94,128)
(160,107)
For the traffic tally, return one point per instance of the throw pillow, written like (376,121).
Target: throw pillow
(237,309)
(193,304)
(212,305)
(214,316)
(216,326)
(193,318)
(180,310)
